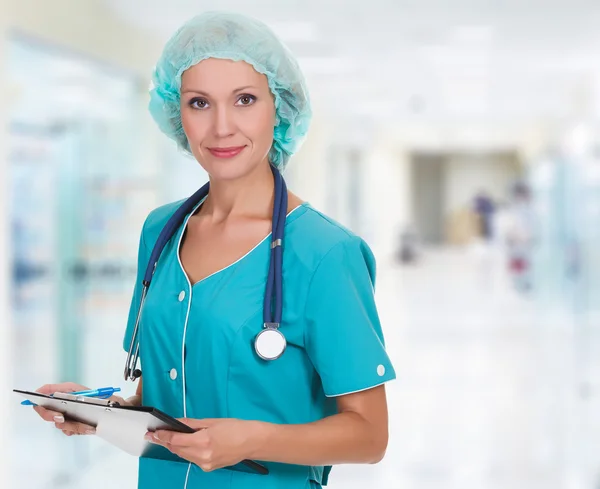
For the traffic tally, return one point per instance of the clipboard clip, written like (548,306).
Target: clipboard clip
(85,399)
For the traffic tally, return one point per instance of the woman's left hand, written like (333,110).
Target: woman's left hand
(218,443)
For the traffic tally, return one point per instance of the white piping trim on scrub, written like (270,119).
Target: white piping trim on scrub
(245,255)
(187,316)
(359,390)
(189,301)
(187,476)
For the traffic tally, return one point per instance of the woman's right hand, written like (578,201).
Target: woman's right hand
(69,428)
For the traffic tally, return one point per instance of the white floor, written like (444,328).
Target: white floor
(491,391)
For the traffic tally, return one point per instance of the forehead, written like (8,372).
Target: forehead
(221,75)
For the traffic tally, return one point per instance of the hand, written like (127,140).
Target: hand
(69,428)
(218,443)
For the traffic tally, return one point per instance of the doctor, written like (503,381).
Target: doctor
(230,94)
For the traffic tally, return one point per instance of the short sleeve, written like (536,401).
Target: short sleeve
(343,335)
(142,261)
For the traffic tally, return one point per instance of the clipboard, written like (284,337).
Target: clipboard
(125,426)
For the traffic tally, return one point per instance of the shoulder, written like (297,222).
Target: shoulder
(156,221)
(317,238)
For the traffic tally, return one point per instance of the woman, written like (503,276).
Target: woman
(232,96)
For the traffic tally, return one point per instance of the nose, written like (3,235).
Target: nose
(223,121)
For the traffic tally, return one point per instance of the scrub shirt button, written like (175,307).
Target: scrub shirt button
(181,295)
(173,374)
(380,370)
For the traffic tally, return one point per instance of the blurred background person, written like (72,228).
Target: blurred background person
(485,208)
(520,237)
(408,245)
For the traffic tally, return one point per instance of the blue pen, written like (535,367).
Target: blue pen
(102,393)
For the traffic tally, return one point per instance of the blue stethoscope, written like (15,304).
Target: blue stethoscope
(270,343)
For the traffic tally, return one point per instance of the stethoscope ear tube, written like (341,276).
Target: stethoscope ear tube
(276,243)
(270,343)
(170,228)
(272,337)
(132,373)
(277,257)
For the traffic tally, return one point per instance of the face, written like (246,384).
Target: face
(228,116)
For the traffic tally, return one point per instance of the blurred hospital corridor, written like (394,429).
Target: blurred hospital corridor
(490,392)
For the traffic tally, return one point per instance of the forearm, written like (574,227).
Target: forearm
(343,438)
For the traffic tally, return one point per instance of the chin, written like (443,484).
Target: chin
(228,170)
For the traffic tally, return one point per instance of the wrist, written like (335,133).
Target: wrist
(260,435)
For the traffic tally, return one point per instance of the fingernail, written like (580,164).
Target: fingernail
(156,437)
(90,432)
(59,419)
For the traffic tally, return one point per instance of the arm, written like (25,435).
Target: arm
(357,434)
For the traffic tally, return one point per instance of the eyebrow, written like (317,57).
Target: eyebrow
(200,92)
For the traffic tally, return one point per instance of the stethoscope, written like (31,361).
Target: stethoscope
(269,343)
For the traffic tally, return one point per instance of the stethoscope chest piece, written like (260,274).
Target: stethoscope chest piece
(270,342)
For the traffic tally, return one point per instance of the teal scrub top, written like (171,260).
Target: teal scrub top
(197,341)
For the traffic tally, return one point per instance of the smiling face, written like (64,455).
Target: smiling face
(228,116)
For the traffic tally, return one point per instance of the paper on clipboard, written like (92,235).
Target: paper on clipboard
(110,429)
(121,426)
(125,426)
(130,440)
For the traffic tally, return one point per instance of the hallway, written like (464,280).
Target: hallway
(485,395)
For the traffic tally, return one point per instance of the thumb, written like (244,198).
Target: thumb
(50,389)
(199,424)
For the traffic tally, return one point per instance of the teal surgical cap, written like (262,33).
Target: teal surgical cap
(239,38)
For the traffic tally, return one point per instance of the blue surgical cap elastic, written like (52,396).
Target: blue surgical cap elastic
(236,37)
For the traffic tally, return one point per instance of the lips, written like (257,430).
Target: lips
(226,152)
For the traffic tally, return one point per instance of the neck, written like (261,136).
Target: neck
(250,196)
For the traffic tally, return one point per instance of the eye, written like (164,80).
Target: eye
(246,99)
(198,103)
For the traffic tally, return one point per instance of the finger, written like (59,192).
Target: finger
(70,433)
(118,400)
(199,424)
(182,440)
(149,437)
(83,429)
(71,387)
(49,389)
(187,453)
(202,458)
(172,438)
(48,415)
(163,436)
(76,428)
